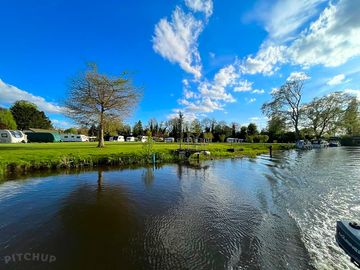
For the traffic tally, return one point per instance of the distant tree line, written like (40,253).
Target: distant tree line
(23,115)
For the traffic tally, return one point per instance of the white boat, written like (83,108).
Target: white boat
(12,136)
(302,144)
(319,143)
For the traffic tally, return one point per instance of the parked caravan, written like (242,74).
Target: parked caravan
(12,136)
(169,140)
(130,139)
(144,138)
(234,140)
(74,138)
(117,139)
(43,137)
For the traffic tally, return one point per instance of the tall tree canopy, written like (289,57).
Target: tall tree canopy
(27,115)
(351,120)
(7,120)
(324,115)
(96,98)
(138,129)
(286,103)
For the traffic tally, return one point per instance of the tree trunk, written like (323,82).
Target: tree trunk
(101,131)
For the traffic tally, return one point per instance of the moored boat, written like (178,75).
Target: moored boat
(348,238)
(334,143)
(319,143)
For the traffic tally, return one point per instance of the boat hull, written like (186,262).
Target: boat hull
(348,239)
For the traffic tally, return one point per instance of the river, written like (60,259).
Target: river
(263,213)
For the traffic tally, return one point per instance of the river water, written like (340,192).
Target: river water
(263,213)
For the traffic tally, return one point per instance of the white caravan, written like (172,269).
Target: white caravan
(144,138)
(116,139)
(74,138)
(130,139)
(169,140)
(12,136)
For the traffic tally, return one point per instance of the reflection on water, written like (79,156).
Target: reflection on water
(264,213)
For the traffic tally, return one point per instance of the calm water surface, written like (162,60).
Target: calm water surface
(264,213)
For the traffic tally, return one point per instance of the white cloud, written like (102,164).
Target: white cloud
(285,17)
(265,61)
(258,91)
(332,39)
(216,90)
(338,79)
(9,94)
(176,40)
(205,6)
(298,76)
(353,92)
(243,86)
(61,123)
(251,100)
(274,90)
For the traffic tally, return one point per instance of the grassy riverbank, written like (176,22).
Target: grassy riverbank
(39,156)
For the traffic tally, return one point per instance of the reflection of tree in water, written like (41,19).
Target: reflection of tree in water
(99,229)
(148,176)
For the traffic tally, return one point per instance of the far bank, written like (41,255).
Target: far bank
(23,158)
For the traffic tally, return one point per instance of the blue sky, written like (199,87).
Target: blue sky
(208,58)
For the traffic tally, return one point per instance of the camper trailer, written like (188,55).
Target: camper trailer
(169,140)
(12,136)
(130,139)
(144,138)
(117,139)
(74,138)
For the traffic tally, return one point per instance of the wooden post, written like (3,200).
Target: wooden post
(270,150)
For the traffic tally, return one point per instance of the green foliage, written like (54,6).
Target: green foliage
(27,115)
(252,129)
(222,137)
(7,120)
(351,119)
(148,145)
(138,129)
(71,131)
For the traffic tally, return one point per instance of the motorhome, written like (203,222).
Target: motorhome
(130,139)
(12,136)
(117,139)
(74,138)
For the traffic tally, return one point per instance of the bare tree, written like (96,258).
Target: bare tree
(286,103)
(96,98)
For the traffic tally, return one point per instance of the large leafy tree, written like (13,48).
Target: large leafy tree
(252,129)
(351,120)
(27,115)
(325,114)
(7,120)
(96,98)
(286,103)
(276,127)
(138,129)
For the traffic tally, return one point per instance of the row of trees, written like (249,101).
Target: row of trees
(23,115)
(330,115)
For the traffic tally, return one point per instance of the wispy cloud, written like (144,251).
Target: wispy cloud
(336,80)
(243,86)
(9,94)
(177,40)
(258,91)
(353,92)
(251,100)
(205,6)
(298,76)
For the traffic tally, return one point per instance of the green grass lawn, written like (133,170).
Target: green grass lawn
(52,155)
